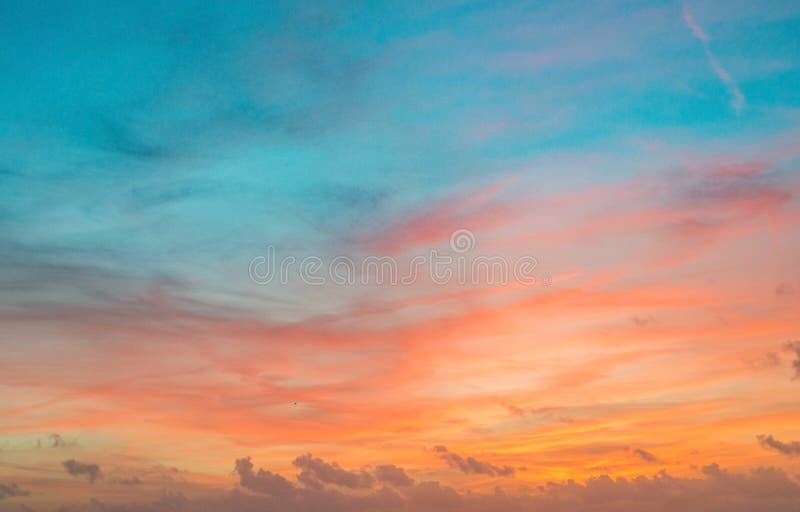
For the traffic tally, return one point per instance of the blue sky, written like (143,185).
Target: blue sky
(157,141)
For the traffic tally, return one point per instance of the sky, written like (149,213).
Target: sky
(400,256)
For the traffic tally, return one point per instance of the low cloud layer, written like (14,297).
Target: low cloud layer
(470,465)
(714,490)
(75,468)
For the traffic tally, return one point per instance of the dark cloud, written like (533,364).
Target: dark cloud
(794,346)
(317,472)
(471,465)
(75,468)
(392,475)
(792,448)
(263,481)
(645,455)
(11,490)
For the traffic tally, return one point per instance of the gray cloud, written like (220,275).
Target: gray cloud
(471,465)
(75,468)
(11,490)
(792,448)
(645,455)
(393,475)
(263,481)
(317,472)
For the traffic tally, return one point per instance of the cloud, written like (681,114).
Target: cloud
(11,490)
(393,475)
(75,468)
(135,480)
(645,455)
(513,409)
(263,482)
(794,346)
(644,320)
(317,472)
(696,29)
(58,441)
(738,99)
(791,449)
(471,465)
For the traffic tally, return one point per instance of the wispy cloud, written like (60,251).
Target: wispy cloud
(471,465)
(738,99)
(645,455)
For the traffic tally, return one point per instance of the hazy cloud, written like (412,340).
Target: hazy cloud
(11,490)
(75,468)
(128,481)
(57,441)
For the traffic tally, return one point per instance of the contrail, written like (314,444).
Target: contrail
(737,97)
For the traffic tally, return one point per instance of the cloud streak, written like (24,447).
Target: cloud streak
(738,99)
(470,465)
(790,449)
(645,455)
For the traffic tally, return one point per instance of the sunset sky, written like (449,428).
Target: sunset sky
(632,165)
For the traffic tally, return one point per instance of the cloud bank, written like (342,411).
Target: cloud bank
(716,490)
